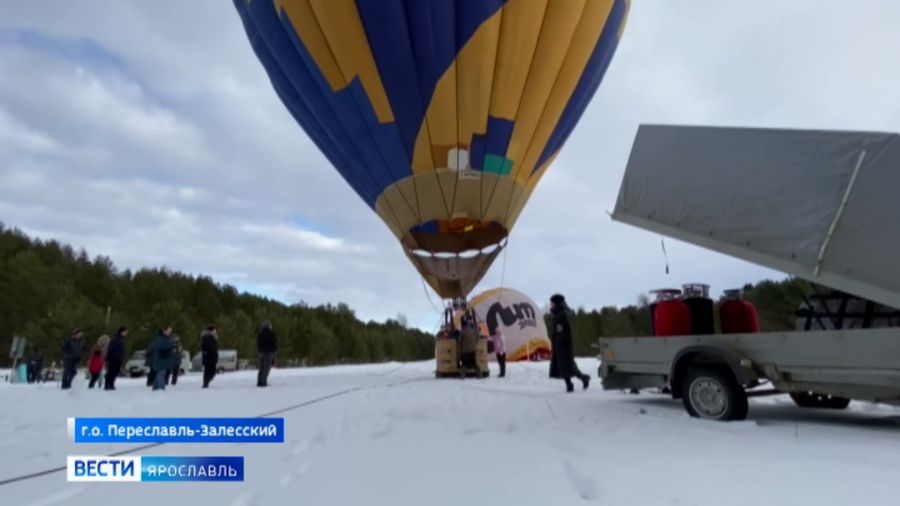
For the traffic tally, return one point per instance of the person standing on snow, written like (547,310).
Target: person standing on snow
(469,345)
(162,356)
(499,350)
(115,355)
(563,360)
(175,365)
(148,363)
(35,365)
(71,349)
(209,345)
(266,345)
(95,365)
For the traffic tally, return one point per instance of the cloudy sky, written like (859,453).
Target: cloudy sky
(148,132)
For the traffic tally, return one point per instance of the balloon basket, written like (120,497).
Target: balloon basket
(447,360)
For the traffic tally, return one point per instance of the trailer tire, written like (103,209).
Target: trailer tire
(713,394)
(814,400)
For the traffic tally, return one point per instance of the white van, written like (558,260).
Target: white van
(135,366)
(228,361)
(197,362)
(185,362)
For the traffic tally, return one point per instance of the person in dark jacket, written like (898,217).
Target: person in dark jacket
(209,345)
(175,365)
(266,345)
(35,365)
(148,363)
(162,356)
(563,360)
(468,344)
(115,356)
(71,349)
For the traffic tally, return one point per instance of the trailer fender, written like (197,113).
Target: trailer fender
(704,355)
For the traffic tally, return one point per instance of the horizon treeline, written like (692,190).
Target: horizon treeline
(48,288)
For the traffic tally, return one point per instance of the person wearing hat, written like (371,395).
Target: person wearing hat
(209,345)
(71,349)
(174,361)
(162,356)
(115,356)
(563,358)
(266,346)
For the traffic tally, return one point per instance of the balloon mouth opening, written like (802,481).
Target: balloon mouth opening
(458,238)
(469,253)
(453,257)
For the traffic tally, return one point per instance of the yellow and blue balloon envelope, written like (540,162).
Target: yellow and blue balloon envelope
(442,115)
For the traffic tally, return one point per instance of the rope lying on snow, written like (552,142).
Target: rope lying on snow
(303,404)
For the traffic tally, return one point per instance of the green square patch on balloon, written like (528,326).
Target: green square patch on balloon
(499,165)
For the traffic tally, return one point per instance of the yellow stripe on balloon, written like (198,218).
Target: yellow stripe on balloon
(459,106)
(332,32)
(521,25)
(585,39)
(557,31)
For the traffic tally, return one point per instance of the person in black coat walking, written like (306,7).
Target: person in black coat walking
(266,345)
(35,365)
(209,346)
(563,359)
(175,366)
(71,349)
(115,356)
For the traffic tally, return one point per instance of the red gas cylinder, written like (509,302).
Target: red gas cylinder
(671,315)
(737,316)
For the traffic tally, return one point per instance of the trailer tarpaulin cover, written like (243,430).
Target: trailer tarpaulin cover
(821,205)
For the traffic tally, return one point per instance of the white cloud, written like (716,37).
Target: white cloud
(292,237)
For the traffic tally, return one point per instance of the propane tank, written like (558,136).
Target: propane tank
(671,316)
(696,296)
(737,316)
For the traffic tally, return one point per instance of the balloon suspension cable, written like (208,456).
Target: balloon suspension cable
(428,295)
(662,241)
(503,270)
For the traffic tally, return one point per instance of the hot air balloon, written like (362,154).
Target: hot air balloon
(520,320)
(442,115)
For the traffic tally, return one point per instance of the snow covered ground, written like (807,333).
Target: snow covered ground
(399,437)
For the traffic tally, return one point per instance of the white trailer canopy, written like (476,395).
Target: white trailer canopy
(821,205)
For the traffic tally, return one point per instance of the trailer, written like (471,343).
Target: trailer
(819,205)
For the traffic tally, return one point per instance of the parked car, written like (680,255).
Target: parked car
(185,362)
(135,366)
(228,361)
(197,362)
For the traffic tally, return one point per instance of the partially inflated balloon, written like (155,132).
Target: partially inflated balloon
(519,319)
(443,115)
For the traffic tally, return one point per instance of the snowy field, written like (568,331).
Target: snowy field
(396,436)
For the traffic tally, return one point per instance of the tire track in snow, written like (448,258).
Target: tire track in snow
(340,393)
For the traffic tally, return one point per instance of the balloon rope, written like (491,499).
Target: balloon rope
(503,270)
(662,241)
(425,288)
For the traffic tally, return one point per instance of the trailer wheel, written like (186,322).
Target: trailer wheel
(814,400)
(713,394)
